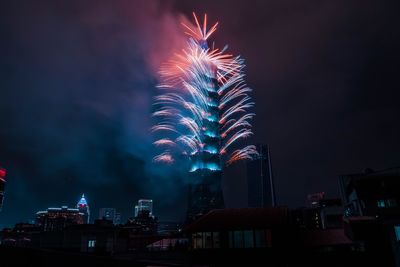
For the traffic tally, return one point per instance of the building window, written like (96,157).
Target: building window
(91,243)
(380,203)
(349,211)
(260,239)
(386,203)
(197,240)
(244,239)
(216,242)
(207,240)
(238,239)
(397,231)
(231,240)
(248,239)
(391,202)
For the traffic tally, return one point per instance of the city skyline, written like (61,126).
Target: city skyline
(78,82)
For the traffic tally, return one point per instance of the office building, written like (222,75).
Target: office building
(56,219)
(260,184)
(144,205)
(136,211)
(204,197)
(107,214)
(83,207)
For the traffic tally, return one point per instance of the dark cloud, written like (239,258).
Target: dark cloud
(77,81)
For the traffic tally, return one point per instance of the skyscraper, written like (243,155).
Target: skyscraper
(2,186)
(83,207)
(107,214)
(136,212)
(260,183)
(202,113)
(144,205)
(117,218)
(205,196)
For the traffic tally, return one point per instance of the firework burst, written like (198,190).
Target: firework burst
(203,107)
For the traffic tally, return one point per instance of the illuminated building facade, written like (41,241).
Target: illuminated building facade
(202,113)
(205,193)
(260,183)
(144,205)
(83,207)
(56,219)
(136,211)
(2,186)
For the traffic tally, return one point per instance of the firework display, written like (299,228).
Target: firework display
(202,111)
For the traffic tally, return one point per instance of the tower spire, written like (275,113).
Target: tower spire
(83,207)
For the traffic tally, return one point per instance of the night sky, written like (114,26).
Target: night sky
(77,80)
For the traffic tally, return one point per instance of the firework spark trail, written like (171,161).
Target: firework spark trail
(204,107)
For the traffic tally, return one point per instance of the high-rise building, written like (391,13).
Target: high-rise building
(117,219)
(107,214)
(144,205)
(56,219)
(205,196)
(260,183)
(83,207)
(205,193)
(136,212)
(2,186)
(205,111)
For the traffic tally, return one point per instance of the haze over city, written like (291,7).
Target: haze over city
(87,93)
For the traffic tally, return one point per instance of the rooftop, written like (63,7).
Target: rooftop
(244,218)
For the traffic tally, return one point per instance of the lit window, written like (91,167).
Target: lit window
(91,243)
(380,203)
(397,230)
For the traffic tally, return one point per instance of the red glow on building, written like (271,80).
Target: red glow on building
(3,173)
